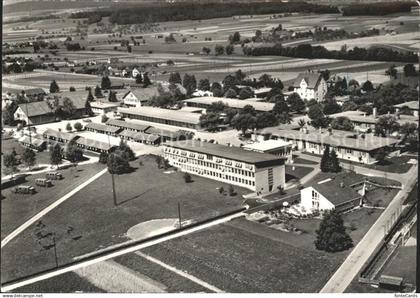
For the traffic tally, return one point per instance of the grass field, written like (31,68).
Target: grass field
(298,173)
(145,194)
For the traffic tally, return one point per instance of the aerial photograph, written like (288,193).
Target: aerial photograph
(209,146)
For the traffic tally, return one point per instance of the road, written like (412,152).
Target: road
(360,254)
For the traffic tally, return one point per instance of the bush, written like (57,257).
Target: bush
(232,191)
(221,190)
(104,118)
(78,126)
(103,157)
(187,178)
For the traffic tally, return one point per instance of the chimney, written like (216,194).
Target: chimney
(374,113)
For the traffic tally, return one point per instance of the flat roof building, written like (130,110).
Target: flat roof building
(259,172)
(99,107)
(206,101)
(276,147)
(413,106)
(163,116)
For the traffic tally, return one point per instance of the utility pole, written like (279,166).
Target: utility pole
(28,124)
(114,195)
(179,215)
(55,251)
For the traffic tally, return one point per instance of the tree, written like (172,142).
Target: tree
(68,109)
(72,89)
(29,157)
(105,83)
(125,151)
(9,113)
(98,91)
(90,96)
(391,72)
(54,87)
(217,89)
(235,38)
(104,118)
(296,103)
(187,178)
(349,106)
(206,50)
(332,235)
(229,49)
(139,78)
(301,123)
(78,126)
(10,162)
(409,70)
(56,155)
(367,86)
(243,122)
(280,107)
(381,155)
(334,162)
(175,78)
(204,85)
(146,80)
(232,191)
(189,83)
(219,50)
(210,120)
(73,153)
(69,127)
(112,97)
(386,125)
(317,117)
(248,109)
(325,164)
(117,164)
(266,119)
(230,93)
(342,123)
(240,75)
(103,157)
(331,107)
(246,92)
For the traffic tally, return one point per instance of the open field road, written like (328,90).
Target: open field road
(360,254)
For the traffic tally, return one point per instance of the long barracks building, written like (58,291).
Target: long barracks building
(259,172)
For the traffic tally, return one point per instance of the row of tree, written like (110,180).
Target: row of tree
(320,52)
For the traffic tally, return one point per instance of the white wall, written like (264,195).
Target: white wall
(306,200)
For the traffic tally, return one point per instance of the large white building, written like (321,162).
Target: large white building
(310,86)
(275,147)
(259,172)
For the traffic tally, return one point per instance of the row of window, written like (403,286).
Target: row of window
(210,173)
(339,150)
(211,165)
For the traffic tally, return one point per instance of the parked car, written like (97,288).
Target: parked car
(43,182)
(25,189)
(54,175)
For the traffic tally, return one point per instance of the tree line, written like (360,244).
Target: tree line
(377,9)
(320,52)
(135,14)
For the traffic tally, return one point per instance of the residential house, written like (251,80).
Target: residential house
(138,97)
(310,85)
(35,113)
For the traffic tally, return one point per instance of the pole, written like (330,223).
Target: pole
(55,251)
(179,215)
(114,195)
(28,124)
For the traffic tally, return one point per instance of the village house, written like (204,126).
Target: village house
(310,86)
(412,106)
(138,97)
(34,113)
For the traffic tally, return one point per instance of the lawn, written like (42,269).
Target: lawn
(145,194)
(17,208)
(391,164)
(303,161)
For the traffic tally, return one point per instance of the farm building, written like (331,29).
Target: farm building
(34,94)
(206,101)
(310,86)
(330,194)
(102,128)
(169,135)
(33,143)
(275,147)
(259,172)
(138,97)
(58,136)
(127,125)
(347,145)
(99,107)
(35,113)
(92,145)
(412,106)
(140,137)
(363,122)
(163,116)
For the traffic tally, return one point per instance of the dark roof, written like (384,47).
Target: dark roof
(59,134)
(103,127)
(312,79)
(139,136)
(233,153)
(333,191)
(78,98)
(34,91)
(127,124)
(391,280)
(165,132)
(37,108)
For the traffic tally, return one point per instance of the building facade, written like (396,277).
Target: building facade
(310,86)
(262,173)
